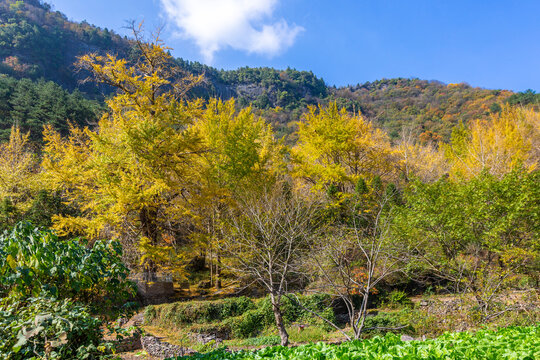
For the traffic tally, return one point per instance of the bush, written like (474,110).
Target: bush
(49,329)
(239,317)
(249,324)
(398,297)
(293,312)
(197,312)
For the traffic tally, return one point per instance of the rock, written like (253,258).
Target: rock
(130,343)
(406,338)
(155,347)
(205,338)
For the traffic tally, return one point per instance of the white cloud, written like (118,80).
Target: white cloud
(238,24)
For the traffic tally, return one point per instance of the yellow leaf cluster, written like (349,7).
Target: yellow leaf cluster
(504,142)
(337,148)
(130,172)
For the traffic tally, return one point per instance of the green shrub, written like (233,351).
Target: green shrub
(398,297)
(236,306)
(239,317)
(247,325)
(198,312)
(49,329)
(293,312)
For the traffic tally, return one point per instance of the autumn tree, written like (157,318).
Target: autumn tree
(19,177)
(336,148)
(508,140)
(130,176)
(420,159)
(241,154)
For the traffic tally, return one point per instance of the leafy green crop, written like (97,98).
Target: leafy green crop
(35,262)
(44,328)
(510,343)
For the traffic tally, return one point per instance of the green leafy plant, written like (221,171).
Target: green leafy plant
(46,328)
(34,262)
(510,343)
(398,297)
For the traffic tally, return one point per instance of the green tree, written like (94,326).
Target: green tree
(478,234)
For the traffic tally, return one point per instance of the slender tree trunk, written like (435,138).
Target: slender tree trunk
(218,270)
(149,229)
(276,308)
(361,322)
(211,264)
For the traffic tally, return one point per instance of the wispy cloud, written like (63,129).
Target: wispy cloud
(245,25)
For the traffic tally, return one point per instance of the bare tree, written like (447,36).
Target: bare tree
(268,238)
(357,256)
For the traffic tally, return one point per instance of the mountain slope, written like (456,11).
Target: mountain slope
(36,42)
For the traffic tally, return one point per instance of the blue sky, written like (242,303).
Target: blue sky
(488,43)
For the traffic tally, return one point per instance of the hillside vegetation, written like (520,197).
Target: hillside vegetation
(36,42)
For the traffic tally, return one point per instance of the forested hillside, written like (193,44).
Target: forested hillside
(30,105)
(430,106)
(36,42)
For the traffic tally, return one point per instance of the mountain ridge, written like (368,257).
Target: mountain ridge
(37,42)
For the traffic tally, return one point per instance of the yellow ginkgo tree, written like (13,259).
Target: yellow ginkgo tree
(131,175)
(19,176)
(500,144)
(336,149)
(241,156)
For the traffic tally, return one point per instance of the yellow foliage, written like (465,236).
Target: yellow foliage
(335,147)
(423,161)
(241,155)
(167,258)
(241,150)
(19,171)
(129,175)
(506,141)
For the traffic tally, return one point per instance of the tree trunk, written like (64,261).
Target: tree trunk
(149,229)
(361,322)
(218,270)
(276,308)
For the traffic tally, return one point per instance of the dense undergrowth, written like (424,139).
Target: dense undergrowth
(240,317)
